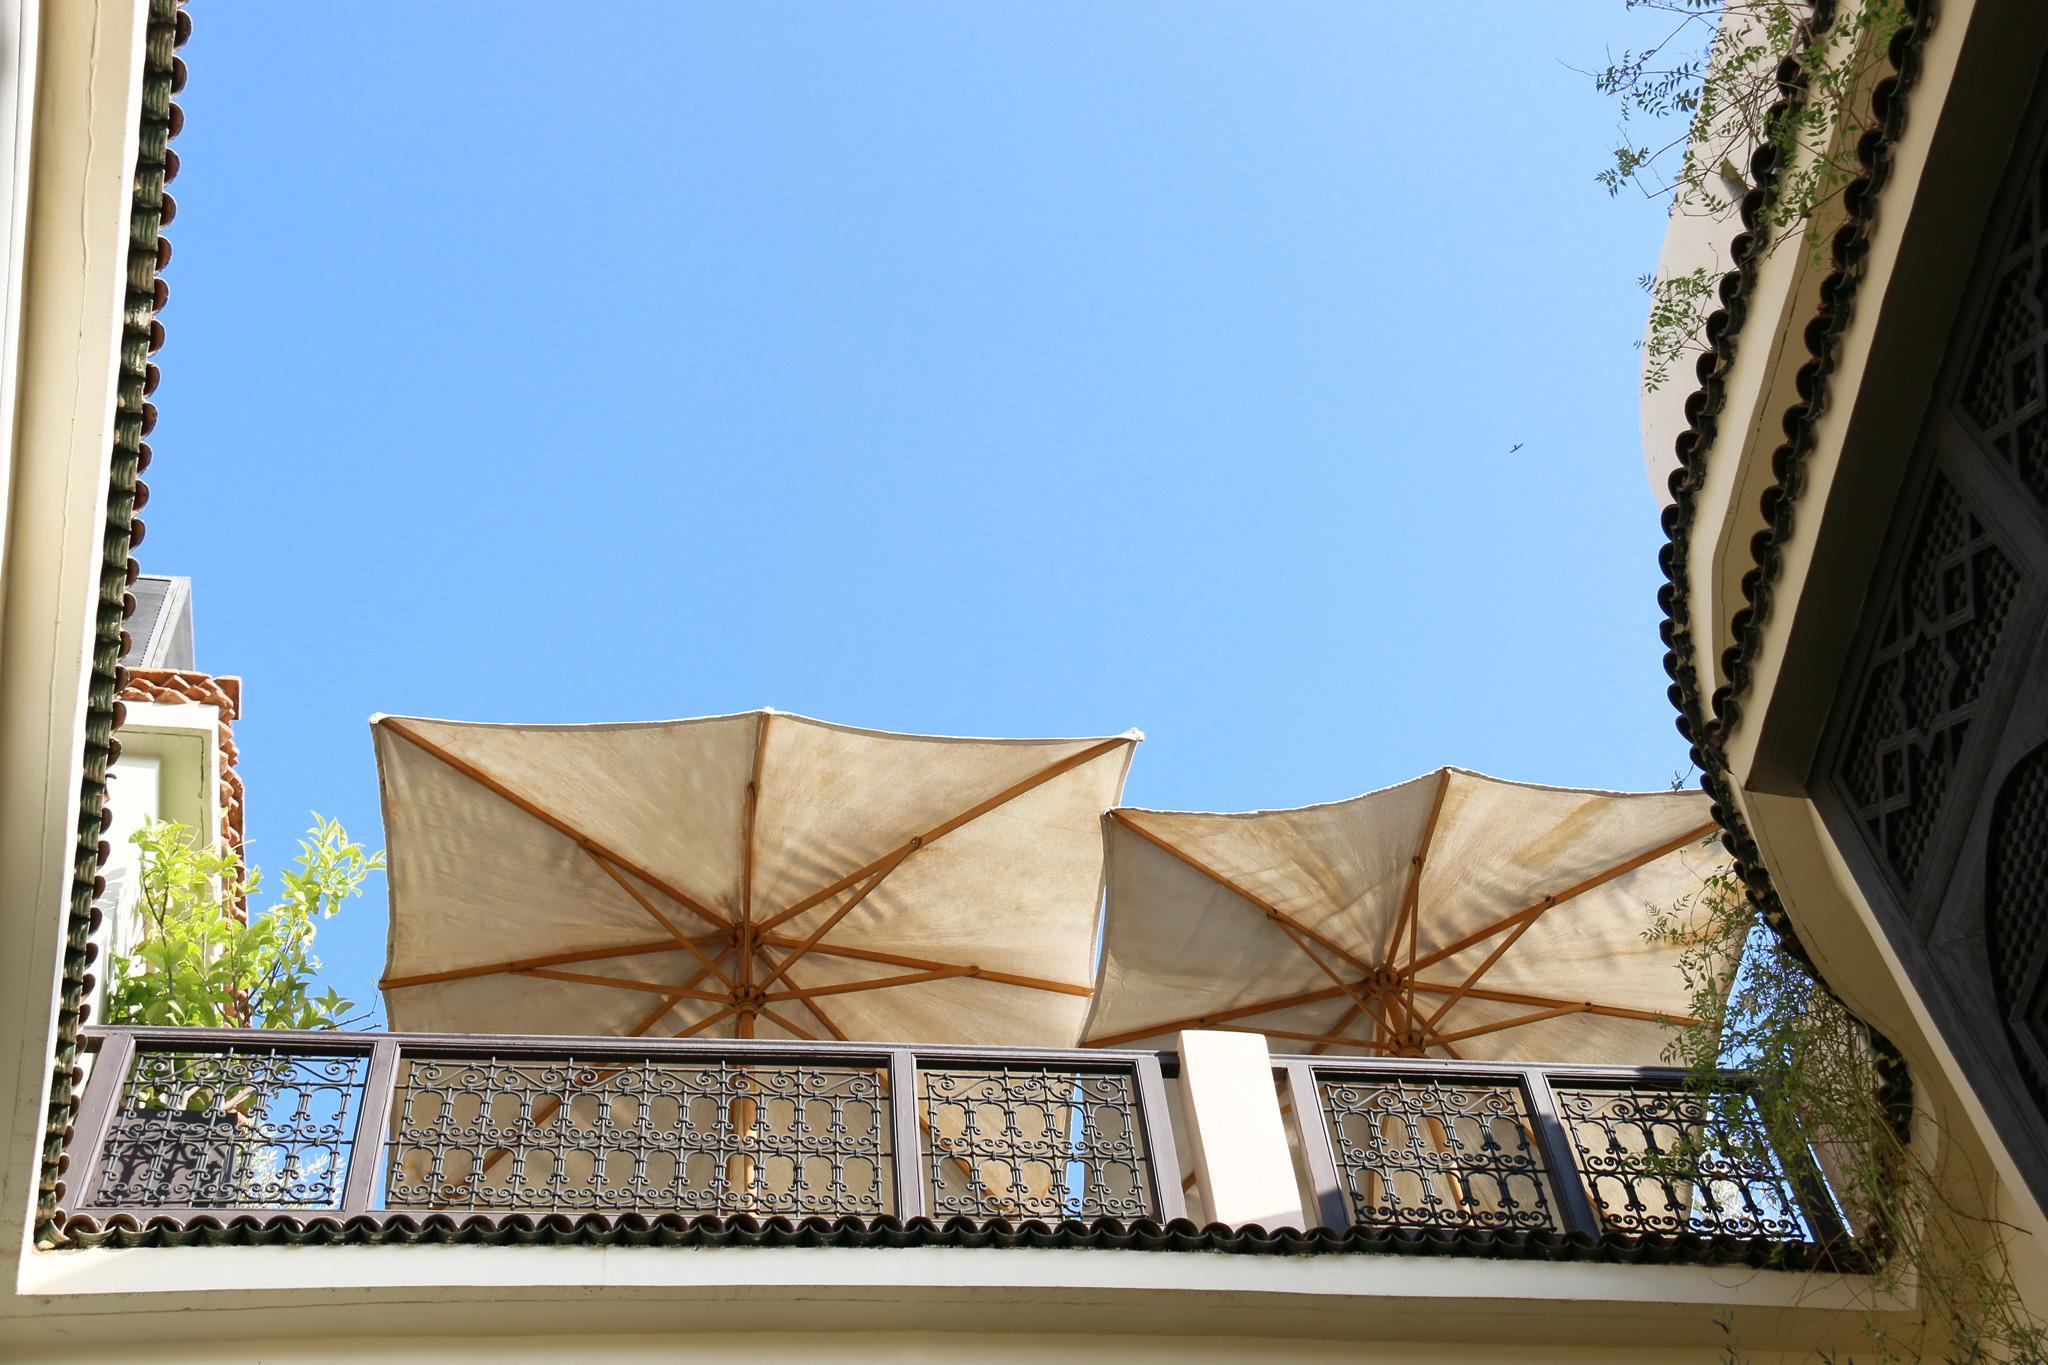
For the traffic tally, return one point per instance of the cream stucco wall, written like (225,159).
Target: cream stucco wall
(532,1303)
(1868,408)
(248,1294)
(902,1348)
(84,147)
(169,769)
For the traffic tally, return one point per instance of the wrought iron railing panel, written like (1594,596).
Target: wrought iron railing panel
(175,1121)
(1663,1158)
(1030,1142)
(649,1134)
(1460,1145)
(1424,1152)
(184,1122)
(242,1127)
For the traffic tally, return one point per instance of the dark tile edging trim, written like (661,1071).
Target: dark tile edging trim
(680,1230)
(156,165)
(1703,731)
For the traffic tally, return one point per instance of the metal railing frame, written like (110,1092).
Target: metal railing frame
(1538,1085)
(114,1049)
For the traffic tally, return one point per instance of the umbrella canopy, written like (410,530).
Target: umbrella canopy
(1455,915)
(756,875)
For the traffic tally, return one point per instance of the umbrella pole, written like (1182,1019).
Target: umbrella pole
(743,1168)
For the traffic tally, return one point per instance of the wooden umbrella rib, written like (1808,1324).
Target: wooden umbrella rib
(707,1021)
(1324,1039)
(745,1028)
(520,964)
(830,1025)
(1217,1017)
(551,820)
(1344,1022)
(1379,1008)
(682,939)
(819,1014)
(789,1025)
(668,1003)
(706,970)
(941,830)
(874,984)
(1273,912)
(830,921)
(1412,914)
(624,983)
(547,1110)
(753,805)
(1357,993)
(931,964)
(653,911)
(1498,951)
(1558,898)
(1501,1025)
(1411,895)
(1589,1006)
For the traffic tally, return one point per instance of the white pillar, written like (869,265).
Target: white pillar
(1243,1163)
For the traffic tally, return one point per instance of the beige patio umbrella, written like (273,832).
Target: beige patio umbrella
(1455,915)
(755,875)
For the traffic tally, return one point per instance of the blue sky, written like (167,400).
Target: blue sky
(1024,369)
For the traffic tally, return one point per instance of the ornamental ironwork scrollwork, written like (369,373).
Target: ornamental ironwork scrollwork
(1428,1153)
(237,1128)
(654,1135)
(1668,1160)
(1938,636)
(1021,1142)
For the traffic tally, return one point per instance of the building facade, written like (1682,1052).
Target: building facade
(1855,480)
(89,95)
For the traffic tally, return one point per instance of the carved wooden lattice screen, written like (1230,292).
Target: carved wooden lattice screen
(1940,631)
(2016,913)
(1934,778)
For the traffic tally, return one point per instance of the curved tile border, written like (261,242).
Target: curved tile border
(156,165)
(1706,723)
(675,1230)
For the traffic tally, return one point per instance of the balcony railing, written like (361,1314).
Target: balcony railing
(1445,1145)
(177,1123)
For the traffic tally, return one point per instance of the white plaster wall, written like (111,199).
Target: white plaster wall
(1243,1164)
(17,124)
(112,1301)
(1691,241)
(87,108)
(897,1348)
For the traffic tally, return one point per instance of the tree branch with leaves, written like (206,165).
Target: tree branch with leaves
(1757,1007)
(199,963)
(1698,104)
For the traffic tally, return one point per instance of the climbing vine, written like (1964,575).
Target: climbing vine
(1757,1007)
(1730,81)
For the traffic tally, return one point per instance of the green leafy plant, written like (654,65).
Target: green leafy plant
(1758,1007)
(1697,104)
(200,962)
